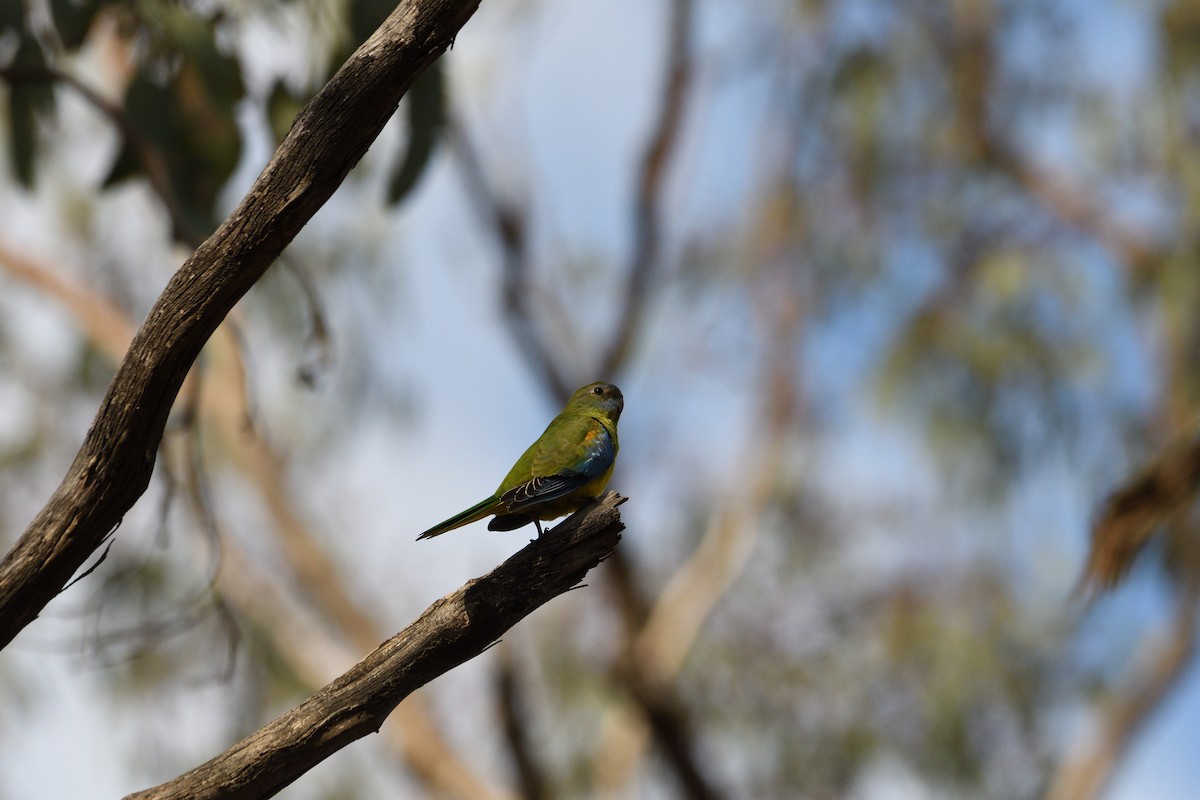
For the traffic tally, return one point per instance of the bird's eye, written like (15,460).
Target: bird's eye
(598,390)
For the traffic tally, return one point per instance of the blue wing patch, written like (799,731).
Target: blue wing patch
(598,456)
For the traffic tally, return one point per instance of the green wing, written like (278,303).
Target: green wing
(572,451)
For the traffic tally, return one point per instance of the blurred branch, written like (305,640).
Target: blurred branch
(453,630)
(647,211)
(664,712)
(319,343)
(1079,207)
(423,747)
(101,321)
(969,51)
(671,722)
(510,225)
(511,230)
(114,464)
(513,714)
(1134,511)
(154,163)
(1084,774)
(222,402)
(668,631)
(314,652)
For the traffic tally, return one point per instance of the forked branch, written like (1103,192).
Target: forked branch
(113,467)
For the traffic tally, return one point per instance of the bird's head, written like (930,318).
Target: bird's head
(602,397)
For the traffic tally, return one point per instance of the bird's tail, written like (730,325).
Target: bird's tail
(475,512)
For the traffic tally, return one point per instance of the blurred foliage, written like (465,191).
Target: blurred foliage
(992,254)
(182,103)
(26,101)
(179,110)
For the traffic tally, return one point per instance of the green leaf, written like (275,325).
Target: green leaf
(366,16)
(12,17)
(125,166)
(21,122)
(282,108)
(146,105)
(73,19)
(30,97)
(426,119)
(189,120)
(150,109)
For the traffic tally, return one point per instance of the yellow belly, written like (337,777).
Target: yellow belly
(565,505)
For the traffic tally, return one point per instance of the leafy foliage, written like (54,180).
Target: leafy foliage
(178,112)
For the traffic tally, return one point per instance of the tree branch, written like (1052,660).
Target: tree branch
(514,715)
(1085,773)
(509,225)
(664,713)
(647,214)
(969,50)
(1134,511)
(453,630)
(114,465)
(222,405)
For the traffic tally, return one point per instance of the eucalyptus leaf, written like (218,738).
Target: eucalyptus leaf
(30,97)
(426,120)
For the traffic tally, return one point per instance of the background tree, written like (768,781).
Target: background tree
(898,296)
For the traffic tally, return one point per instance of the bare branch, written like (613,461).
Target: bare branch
(1085,773)
(316,653)
(101,321)
(970,55)
(667,631)
(511,229)
(1135,510)
(662,710)
(513,715)
(222,403)
(672,726)
(657,699)
(647,213)
(453,630)
(511,226)
(114,465)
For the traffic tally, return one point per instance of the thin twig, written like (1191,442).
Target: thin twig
(647,208)
(969,51)
(319,345)
(665,713)
(510,227)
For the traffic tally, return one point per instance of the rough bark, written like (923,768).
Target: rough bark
(454,629)
(113,467)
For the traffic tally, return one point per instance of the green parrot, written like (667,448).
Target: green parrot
(568,465)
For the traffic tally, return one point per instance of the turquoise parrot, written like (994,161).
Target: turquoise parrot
(568,465)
